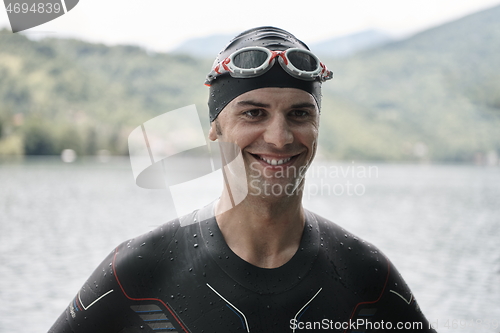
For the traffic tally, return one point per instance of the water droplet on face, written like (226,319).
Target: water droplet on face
(195,245)
(143,244)
(195,235)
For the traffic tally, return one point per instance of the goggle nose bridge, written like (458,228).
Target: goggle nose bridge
(278,54)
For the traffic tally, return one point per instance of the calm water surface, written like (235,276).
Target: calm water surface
(440,225)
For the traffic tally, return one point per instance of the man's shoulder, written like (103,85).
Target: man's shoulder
(349,250)
(341,236)
(151,247)
(137,261)
(153,239)
(362,267)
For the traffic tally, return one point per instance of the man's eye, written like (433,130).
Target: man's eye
(300,113)
(253,113)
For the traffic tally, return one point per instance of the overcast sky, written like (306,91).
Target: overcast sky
(163,24)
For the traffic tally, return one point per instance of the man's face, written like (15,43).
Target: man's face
(277,131)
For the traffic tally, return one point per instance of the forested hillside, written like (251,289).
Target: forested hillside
(58,94)
(435,96)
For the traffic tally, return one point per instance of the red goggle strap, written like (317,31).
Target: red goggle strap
(325,73)
(223,64)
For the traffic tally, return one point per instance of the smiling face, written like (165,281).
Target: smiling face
(277,131)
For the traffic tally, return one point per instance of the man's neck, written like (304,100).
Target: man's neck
(261,231)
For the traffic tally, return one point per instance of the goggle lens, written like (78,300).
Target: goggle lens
(250,59)
(302,61)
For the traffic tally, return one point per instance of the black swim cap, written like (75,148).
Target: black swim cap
(224,88)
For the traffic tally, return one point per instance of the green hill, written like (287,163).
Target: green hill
(439,89)
(58,94)
(435,96)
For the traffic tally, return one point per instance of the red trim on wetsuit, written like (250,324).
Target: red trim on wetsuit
(77,301)
(145,299)
(379,297)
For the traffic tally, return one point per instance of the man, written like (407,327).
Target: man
(261,263)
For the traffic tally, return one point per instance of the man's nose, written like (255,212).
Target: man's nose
(278,132)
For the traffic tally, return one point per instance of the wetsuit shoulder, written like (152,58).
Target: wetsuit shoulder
(104,302)
(380,291)
(350,253)
(135,260)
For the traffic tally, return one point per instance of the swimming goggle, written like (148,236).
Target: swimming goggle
(253,61)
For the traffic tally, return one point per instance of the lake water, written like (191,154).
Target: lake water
(440,225)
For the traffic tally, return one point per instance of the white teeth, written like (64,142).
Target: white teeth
(275,162)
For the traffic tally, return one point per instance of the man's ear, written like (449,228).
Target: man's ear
(212,133)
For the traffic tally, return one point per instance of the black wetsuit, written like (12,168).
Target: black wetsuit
(186,279)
